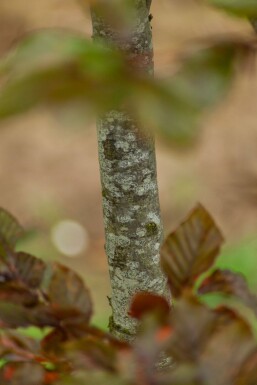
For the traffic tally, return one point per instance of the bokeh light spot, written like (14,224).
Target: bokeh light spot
(70,238)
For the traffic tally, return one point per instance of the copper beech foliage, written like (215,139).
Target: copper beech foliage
(205,345)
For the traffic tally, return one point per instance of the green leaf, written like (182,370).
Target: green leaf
(157,107)
(73,76)
(173,107)
(245,8)
(190,250)
(50,48)
(62,70)
(205,74)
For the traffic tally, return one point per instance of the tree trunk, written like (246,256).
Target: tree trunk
(133,227)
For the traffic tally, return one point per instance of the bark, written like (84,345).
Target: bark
(133,227)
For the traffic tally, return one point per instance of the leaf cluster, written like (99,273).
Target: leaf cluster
(183,343)
(76,78)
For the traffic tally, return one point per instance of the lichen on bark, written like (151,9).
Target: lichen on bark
(133,227)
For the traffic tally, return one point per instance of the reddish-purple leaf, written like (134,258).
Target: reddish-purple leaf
(145,303)
(192,324)
(28,269)
(229,283)
(190,250)
(52,341)
(16,292)
(90,353)
(18,344)
(13,315)
(225,353)
(10,230)
(68,291)
(22,373)
(248,372)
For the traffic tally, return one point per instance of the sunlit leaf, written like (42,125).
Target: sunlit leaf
(229,283)
(190,250)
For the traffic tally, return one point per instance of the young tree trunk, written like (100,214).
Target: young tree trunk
(133,227)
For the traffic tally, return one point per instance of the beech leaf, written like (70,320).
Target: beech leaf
(22,373)
(192,323)
(226,352)
(144,303)
(248,371)
(29,269)
(67,291)
(229,283)
(10,229)
(190,250)
(89,352)
(13,315)
(16,292)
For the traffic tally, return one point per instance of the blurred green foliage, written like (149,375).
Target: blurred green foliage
(244,8)
(72,75)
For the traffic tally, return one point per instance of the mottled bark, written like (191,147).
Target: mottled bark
(133,227)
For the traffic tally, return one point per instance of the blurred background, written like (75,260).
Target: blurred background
(49,173)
